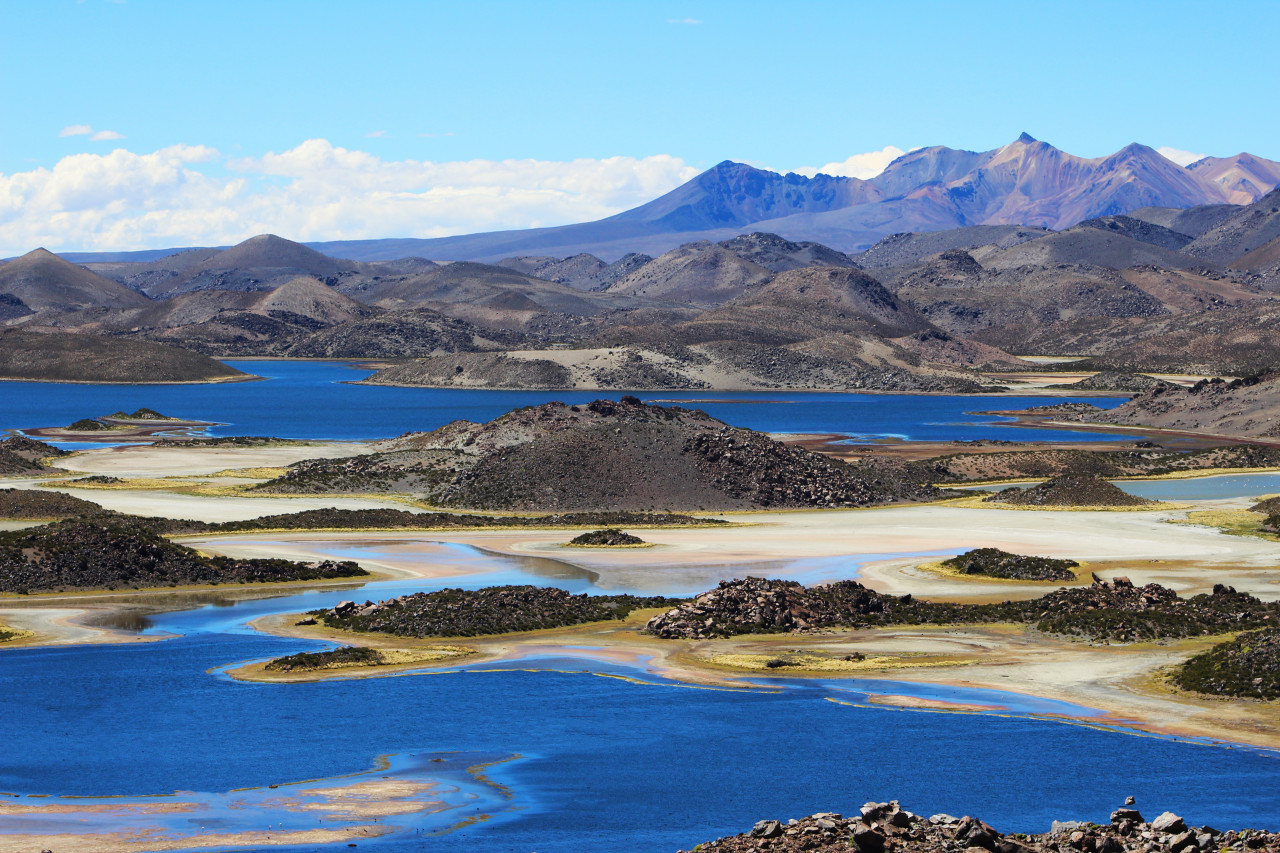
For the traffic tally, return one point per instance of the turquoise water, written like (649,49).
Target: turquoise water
(316,400)
(1190,489)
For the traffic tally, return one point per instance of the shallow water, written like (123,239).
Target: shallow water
(1218,487)
(315,400)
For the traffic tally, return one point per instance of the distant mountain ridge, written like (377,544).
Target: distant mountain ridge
(1026,183)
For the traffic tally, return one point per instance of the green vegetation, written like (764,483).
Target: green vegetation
(341,656)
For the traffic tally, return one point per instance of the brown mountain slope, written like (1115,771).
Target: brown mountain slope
(1243,407)
(1088,244)
(778,254)
(832,300)
(701,274)
(45,282)
(899,250)
(259,263)
(64,357)
(1246,177)
(1247,228)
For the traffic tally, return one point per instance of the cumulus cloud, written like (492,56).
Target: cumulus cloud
(1177,155)
(194,195)
(862,166)
(106,136)
(76,130)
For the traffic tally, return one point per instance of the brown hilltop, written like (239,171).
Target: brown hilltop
(64,357)
(45,282)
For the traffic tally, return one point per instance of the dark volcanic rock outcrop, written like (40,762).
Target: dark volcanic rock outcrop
(118,551)
(493,610)
(610,537)
(1116,380)
(41,504)
(1247,666)
(606,456)
(1106,612)
(994,563)
(21,455)
(1068,490)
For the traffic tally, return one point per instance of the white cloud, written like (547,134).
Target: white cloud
(689,21)
(76,130)
(106,136)
(194,195)
(862,166)
(1177,155)
(375,134)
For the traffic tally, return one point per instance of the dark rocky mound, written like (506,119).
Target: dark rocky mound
(21,455)
(888,828)
(1116,611)
(609,537)
(87,425)
(760,606)
(98,480)
(397,519)
(1270,506)
(1115,380)
(342,656)
(1248,666)
(607,455)
(66,357)
(494,610)
(1138,462)
(41,504)
(143,414)
(111,552)
(995,563)
(1068,490)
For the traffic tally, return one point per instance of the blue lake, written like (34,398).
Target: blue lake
(631,763)
(600,763)
(316,400)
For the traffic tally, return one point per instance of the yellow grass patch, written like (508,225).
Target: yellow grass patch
(1237,522)
(980,503)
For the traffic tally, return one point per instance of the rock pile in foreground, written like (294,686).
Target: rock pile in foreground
(1070,491)
(1115,611)
(888,828)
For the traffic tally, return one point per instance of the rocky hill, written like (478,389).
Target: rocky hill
(42,281)
(20,455)
(1116,380)
(604,456)
(39,504)
(65,357)
(1242,407)
(1069,491)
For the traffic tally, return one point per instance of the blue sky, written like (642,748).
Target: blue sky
(785,86)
